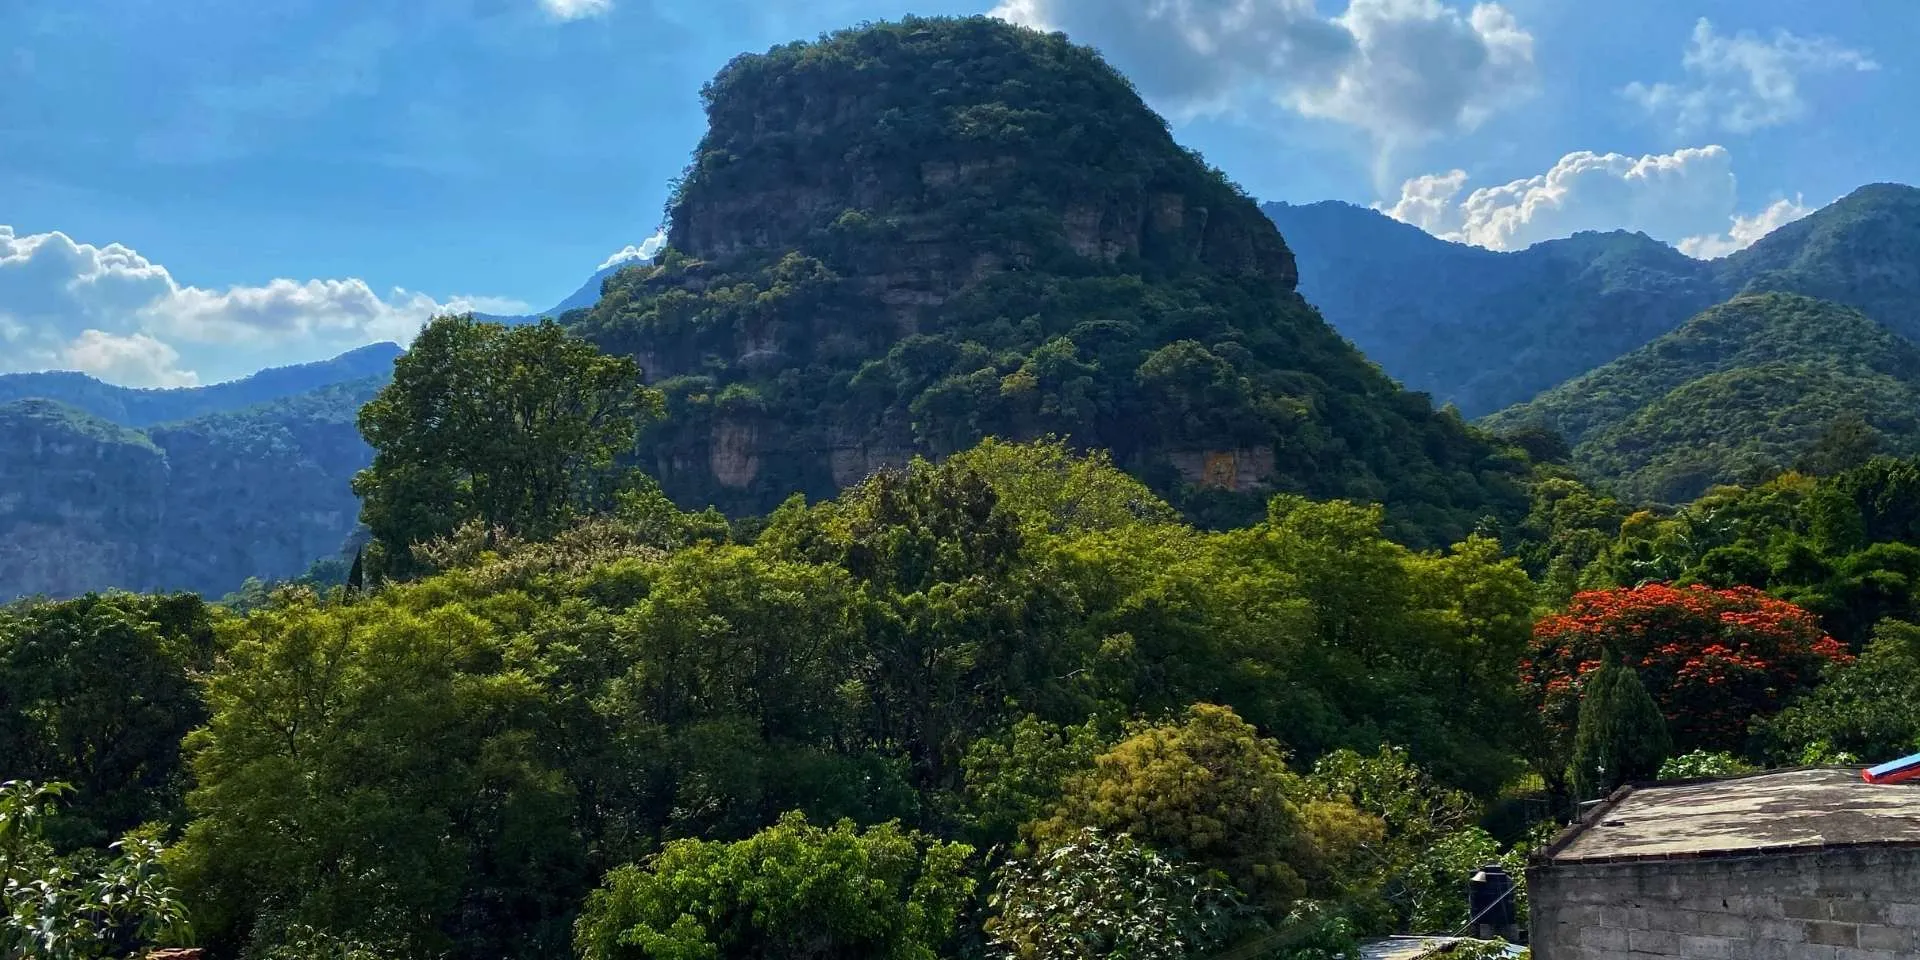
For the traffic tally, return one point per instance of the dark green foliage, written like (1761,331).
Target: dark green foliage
(1860,250)
(1845,547)
(1867,708)
(97,693)
(995,237)
(1749,386)
(515,428)
(875,894)
(1621,737)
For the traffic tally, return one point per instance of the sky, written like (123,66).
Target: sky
(191,190)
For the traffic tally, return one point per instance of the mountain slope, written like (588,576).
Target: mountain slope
(1485,330)
(1862,250)
(134,407)
(199,504)
(902,238)
(1745,385)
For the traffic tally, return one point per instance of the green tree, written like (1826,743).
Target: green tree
(790,892)
(79,908)
(1091,895)
(518,428)
(382,771)
(1212,792)
(1847,442)
(97,692)
(1621,736)
(1865,708)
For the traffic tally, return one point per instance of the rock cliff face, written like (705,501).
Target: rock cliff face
(199,505)
(81,500)
(903,238)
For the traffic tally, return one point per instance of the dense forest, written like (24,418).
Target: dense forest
(1008,642)
(1008,703)
(193,504)
(1748,386)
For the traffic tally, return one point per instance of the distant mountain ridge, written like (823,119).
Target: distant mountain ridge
(111,487)
(1485,330)
(140,407)
(1743,387)
(581,299)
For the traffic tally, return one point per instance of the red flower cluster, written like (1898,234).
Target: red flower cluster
(1712,659)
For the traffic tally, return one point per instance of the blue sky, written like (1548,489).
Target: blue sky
(192,189)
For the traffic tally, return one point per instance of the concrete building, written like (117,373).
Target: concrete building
(1810,864)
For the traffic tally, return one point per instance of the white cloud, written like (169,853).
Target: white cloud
(1402,70)
(576,9)
(647,250)
(137,360)
(110,311)
(1743,83)
(1745,230)
(1686,198)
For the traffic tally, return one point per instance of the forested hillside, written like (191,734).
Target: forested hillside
(1486,330)
(903,239)
(1483,329)
(1747,386)
(198,504)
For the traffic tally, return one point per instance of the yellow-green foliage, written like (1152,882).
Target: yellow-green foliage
(1211,791)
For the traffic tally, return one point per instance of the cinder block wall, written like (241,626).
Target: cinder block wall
(1856,903)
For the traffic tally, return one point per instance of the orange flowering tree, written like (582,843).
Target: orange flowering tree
(1712,659)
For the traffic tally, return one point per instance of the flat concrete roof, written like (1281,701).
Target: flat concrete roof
(1763,812)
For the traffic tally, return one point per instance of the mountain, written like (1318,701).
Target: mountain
(136,407)
(1862,250)
(1484,330)
(904,237)
(198,504)
(586,296)
(1745,386)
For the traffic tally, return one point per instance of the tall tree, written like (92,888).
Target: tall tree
(517,428)
(1621,737)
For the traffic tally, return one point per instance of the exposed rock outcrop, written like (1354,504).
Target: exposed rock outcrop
(906,237)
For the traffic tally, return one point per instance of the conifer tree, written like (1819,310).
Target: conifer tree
(1621,735)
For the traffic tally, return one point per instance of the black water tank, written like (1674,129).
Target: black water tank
(1490,905)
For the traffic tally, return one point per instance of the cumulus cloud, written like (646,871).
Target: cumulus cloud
(1743,83)
(112,312)
(1402,70)
(576,9)
(1686,198)
(1745,230)
(136,360)
(647,250)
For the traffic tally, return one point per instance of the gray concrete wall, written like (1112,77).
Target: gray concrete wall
(1860,903)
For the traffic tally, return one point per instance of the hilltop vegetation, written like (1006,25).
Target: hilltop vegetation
(994,237)
(1486,330)
(1747,386)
